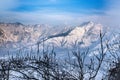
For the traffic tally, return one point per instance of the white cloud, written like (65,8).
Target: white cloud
(48,18)
(112,17)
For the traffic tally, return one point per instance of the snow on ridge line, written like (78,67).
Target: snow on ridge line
(22,35)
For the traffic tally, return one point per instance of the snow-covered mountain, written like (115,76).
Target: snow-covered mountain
(82,35)
(17,35)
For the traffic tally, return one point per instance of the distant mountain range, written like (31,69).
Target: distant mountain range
(17,35)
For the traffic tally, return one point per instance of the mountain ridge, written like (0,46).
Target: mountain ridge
(18,35)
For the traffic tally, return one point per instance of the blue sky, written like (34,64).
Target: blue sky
(59,11)
(73,6)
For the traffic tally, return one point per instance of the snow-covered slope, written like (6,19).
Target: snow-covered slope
(81,35)
(17,35)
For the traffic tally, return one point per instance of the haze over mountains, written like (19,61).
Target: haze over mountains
(17,36)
